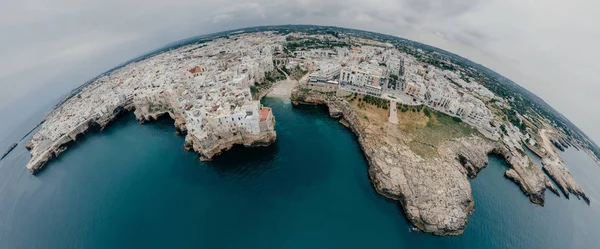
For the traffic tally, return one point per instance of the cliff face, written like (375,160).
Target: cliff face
(555,167)
(556,170)
(43,150)
(225,142)
(434,192)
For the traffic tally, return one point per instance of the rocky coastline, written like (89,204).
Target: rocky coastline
(556,170)
(208,89)
(42,153)
(434,193)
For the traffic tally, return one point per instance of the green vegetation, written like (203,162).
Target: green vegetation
(427,112)
(274,76)
(520,150)
(379,102)
(393,82)
(270,79)
(511,116)
(259,87)
(439,128)
(412,108)
(310,43)
(295,73)
(503,129)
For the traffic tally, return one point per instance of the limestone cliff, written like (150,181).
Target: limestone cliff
(43,150)
(556,170)
(555,167)
(434,191)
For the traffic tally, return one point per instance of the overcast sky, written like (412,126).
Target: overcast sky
(549,46)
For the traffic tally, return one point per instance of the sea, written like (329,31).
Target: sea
(134,186)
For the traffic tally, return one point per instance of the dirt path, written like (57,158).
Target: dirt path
(283,89)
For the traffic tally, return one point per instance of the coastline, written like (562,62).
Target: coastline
(211,97)
(394,179)
(217,146)
(430,179)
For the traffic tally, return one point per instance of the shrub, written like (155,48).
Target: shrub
(427,112)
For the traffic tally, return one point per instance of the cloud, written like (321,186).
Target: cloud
(548,48)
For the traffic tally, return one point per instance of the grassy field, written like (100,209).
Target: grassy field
(439,128)
(426,128)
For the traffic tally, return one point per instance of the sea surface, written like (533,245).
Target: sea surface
(134,186)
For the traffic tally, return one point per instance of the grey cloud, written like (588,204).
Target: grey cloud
(66,42)
(440,9)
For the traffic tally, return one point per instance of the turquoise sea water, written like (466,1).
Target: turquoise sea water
(133,186)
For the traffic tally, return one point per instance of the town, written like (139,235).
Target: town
(212,88)
(378,69)
(204,87)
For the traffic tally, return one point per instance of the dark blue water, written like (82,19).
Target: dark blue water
(133,186)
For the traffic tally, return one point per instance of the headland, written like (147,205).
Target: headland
(425,126)
(205,88)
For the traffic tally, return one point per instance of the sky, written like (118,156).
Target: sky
(549,47)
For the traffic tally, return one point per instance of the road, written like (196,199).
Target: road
(393,113)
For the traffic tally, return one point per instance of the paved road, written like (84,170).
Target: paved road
(401,97)
(393,113)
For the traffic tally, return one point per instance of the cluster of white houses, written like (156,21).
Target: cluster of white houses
(383,71)
(207,84)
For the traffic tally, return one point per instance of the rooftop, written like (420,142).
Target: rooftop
(264,113)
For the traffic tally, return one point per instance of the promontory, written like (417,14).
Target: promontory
(204,87)
(426,119)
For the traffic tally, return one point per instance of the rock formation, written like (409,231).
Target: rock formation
(434,192)
(556,170)
(43,150)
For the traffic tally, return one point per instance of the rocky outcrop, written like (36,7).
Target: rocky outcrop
(551,187)
(556,170)
(225,144)
(434,192)
(42,151)
(558,145)
(306,97)
(473,155)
